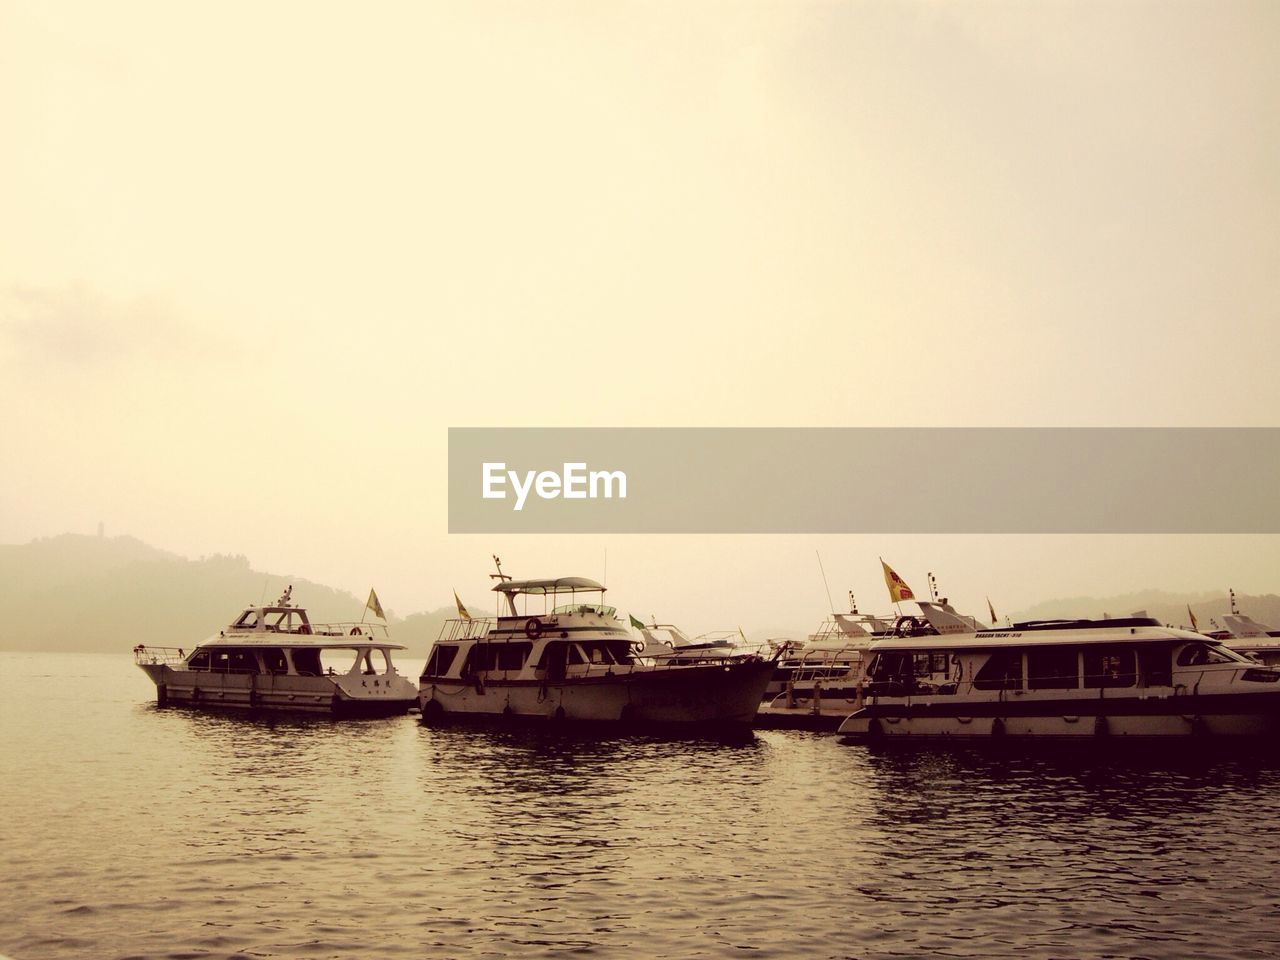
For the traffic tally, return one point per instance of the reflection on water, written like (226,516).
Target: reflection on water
(137,832)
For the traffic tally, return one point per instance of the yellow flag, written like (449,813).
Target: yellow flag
(1194,626)
(374,605)
(462,611)
(898,589)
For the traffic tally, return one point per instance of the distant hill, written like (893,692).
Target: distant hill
(106,594)
(1165,607)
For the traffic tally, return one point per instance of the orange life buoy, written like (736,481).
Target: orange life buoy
(533,628)
(357,632)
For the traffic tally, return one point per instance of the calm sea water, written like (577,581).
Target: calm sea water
(129,831)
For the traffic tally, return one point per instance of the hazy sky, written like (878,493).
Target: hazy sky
(255,258)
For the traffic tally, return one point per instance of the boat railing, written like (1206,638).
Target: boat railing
(355,629)
(159,656)
(470,628)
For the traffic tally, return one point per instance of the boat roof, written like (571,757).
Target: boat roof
(1046,633)
(296,641)
(544,587)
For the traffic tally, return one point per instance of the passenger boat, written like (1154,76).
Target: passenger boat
(1245,634)
(819,682)
(1241,632)
(274,658)
(576,660)
(678,647)
(1129,677)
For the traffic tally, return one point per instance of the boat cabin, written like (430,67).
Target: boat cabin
(1042,655)
(561,640)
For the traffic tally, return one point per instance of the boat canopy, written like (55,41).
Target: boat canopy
(548,587)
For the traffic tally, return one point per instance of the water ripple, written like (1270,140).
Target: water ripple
(132,832)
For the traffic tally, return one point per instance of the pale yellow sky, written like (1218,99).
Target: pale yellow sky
(256,258)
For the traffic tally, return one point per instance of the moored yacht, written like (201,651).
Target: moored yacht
(820,681)
(1245,634)
(575,660)
(1067,679)
(274,658)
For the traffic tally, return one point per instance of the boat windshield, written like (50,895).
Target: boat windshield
(1198,654)
(599,608)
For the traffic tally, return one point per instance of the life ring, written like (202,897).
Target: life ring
(533,628)
(356,632)
(906,627)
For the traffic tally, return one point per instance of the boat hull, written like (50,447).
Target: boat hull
(332,696)
(691,696)
(1220,715)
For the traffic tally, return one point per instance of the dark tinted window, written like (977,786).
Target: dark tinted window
(307,663)
(480,657)
(440,661)
(200,661)
(1002,671)
(891,666)
(1109,667)
(1155,664)
(274,659)
(1053,668)
(511,656)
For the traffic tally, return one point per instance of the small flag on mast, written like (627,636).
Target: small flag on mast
(462,611)
(898,589)
(634,622)
(991,610)
(374,605)
(1191,613)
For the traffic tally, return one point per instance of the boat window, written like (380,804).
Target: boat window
(621,651)
(1155,665)
(234,661)
(1053,668)
(496,656)
(274,659)
(440,661)
(1198,654)
(512,656)
(575,655)
(248,620)
(930,664)
(199,662)
(891,666)
(306,662)
(1109,667)
(479,658)
(552,659)
(1002,671)
(338,660)
(600,608)
(598,653)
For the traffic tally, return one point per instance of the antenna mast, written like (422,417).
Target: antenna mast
(830,603)
(497,562)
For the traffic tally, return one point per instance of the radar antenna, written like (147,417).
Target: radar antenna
(497,562)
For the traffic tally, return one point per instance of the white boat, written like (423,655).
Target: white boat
(274,658)
(1241,632)
(1128,677)
(576,660)
(819,682)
